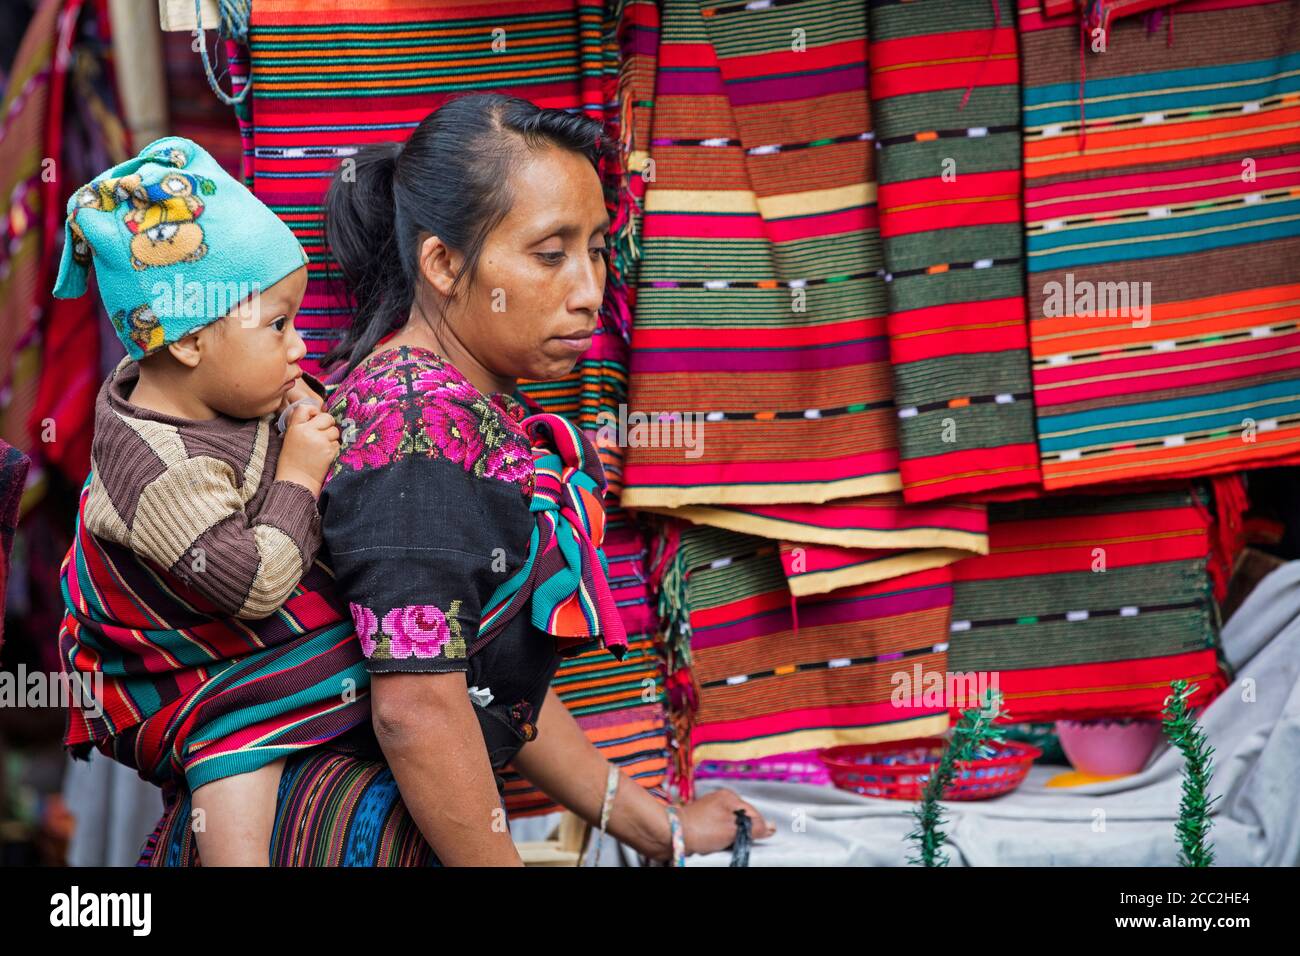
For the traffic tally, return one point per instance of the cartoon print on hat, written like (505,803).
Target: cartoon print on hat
(165,232)
(141,326)
(163,219)
(80,247)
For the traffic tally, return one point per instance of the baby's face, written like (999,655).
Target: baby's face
(251,355)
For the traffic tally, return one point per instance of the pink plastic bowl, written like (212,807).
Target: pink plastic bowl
(1108,748)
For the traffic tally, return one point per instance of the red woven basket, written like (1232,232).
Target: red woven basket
(900,769)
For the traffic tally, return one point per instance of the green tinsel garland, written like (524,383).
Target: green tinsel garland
(973,731)
(1194,821)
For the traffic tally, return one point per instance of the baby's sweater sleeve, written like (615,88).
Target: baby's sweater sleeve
(191,520)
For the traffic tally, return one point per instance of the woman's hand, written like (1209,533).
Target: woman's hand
(567,767)
(709,822)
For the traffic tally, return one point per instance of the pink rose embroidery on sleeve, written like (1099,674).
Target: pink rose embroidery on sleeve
(419,630)
(366,624)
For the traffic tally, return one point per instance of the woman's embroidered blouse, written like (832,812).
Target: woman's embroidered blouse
(424,514)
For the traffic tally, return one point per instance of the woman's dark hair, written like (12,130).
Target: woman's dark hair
(451,179)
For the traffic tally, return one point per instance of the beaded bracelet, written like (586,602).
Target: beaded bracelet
(611,787)
(679,841)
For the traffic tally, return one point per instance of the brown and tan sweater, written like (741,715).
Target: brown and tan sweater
(200,499)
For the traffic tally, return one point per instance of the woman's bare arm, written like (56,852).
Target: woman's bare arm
(433,743)
(568,768)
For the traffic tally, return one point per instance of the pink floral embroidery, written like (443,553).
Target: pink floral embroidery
(409,402)
(376,419)
(454,429)
(367,624)
(443,383)
(513,408)
(420,630)
(375,441)
(509,464)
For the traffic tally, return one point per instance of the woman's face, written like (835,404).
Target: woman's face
(535,301)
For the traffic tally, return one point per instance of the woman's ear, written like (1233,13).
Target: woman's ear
(187,350)
(438,264)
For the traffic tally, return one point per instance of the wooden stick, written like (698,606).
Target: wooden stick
(141,77)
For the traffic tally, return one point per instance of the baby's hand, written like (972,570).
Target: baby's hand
(311,442)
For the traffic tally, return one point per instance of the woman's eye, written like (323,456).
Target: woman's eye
(552,258)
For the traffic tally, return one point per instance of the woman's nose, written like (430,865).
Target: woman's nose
(590,292)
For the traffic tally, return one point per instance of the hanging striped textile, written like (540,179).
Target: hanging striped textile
(1162,218)
(30,115)
(322,88)
(776,676)
(760,305)
(1090,606)
(640,30)
(945,104)
(58,121)
(14,466)
(190,111)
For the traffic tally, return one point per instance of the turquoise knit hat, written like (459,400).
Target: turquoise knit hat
(176,241)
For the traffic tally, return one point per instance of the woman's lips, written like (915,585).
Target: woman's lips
(577,343)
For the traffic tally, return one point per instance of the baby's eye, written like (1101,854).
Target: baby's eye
(280,323)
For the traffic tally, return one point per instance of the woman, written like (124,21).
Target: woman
(476,256)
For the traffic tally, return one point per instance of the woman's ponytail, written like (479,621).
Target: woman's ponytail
(359,227)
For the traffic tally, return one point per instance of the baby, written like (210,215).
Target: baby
(189,469)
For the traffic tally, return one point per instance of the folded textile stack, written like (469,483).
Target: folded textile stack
(1090,606)
(903,263)
(772,675)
